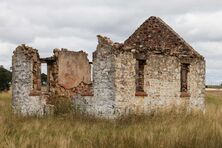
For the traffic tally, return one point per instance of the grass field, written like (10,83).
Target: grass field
(70,130)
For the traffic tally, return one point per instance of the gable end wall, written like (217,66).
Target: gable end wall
(161,83)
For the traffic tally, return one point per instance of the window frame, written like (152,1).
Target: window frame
(139,79)
(184,75)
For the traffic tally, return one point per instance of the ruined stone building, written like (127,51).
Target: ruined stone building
(153,69)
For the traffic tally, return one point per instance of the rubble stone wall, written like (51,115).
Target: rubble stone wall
(161,84)
(125,74)
(162,76)
(197,84)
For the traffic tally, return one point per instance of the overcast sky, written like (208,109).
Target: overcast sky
(74,24)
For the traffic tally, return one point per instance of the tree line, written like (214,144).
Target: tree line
(5,79)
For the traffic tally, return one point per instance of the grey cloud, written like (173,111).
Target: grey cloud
(74,24)
(199,26)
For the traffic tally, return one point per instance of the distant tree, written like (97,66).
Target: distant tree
(44,79)
(5,79)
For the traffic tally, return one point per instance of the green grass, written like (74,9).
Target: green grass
(72,130)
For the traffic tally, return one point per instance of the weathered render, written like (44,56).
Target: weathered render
(153,69)
(26,82)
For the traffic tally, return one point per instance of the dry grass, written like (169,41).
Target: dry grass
(71,130)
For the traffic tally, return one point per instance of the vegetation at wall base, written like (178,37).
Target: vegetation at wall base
(165,129)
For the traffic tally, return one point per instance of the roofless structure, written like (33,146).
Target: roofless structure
(153,69)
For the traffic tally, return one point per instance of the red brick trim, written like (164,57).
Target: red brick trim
(35,93)
(140,94)
(87,94)
(184,94)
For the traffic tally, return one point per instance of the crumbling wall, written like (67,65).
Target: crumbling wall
(102,103)
(26,98)
(69,72)
(103,77)
(74,68)
(52,74)
(52,77)
(73,73)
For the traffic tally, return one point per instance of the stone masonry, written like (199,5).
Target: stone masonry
(153,69)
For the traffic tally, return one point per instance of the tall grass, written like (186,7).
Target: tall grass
(71,130)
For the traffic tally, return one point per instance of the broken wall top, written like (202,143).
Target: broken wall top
(156,36)
(29,52)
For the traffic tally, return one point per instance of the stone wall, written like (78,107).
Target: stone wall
(162,81)
(125,87)
(26,98)
(197,84)
(161,84)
